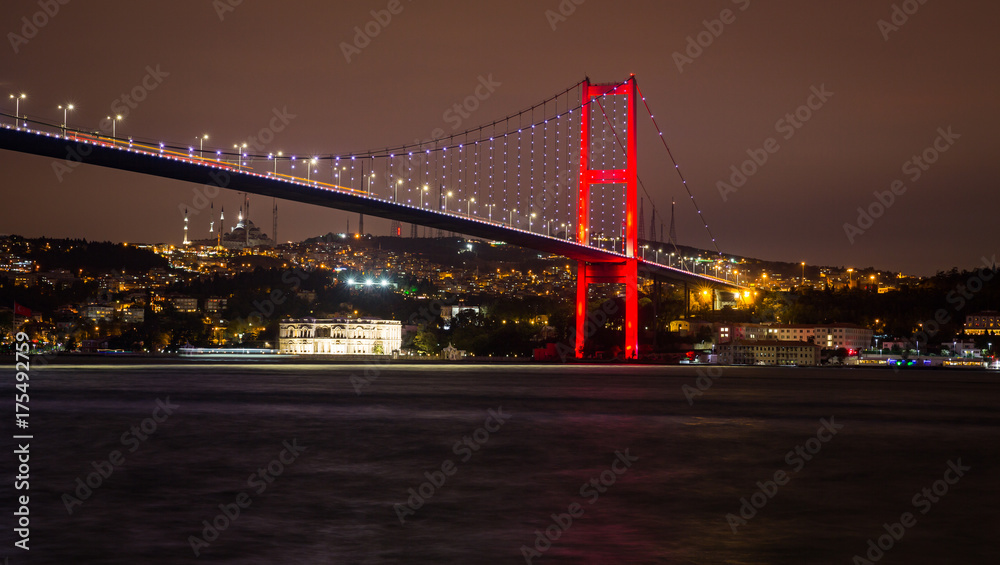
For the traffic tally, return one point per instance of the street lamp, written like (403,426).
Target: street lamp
(395,189)
(65,109)
(275,157)
(511,222)
(17,107)
(490,207)
(803,273)
(850,277)
(201,142)
(309,166)
(425,189)
(529,220)
(446,195)
(114,123)
(468,208)
(239,153)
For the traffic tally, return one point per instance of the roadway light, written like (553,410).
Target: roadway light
(65,109)
(395,189)
(17,107)
(425,189)
(114,123)
(449,193)
(309,167)
(468,208)
(201,144)
(239,152)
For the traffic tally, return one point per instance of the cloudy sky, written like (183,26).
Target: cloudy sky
(844,98)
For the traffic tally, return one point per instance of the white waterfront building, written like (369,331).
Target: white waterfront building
(340,336)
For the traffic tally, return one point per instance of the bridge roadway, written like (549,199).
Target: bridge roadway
(120,154)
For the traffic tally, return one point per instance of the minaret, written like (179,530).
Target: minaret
(186,241)
(246,224)
(673,226)
(222,226)
(211,223)
(274,224)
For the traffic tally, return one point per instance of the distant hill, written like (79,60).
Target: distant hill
(92,256)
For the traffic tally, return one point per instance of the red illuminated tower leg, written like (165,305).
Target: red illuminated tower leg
(616,271)
(631,228)
(632,309)
(582,283)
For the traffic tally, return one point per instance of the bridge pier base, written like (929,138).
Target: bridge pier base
(624,272)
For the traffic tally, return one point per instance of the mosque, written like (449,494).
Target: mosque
(244,234)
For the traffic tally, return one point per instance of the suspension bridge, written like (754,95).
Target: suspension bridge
(560,177)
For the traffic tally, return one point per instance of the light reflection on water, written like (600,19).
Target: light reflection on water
(335,503)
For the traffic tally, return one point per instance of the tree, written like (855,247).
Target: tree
(426,342)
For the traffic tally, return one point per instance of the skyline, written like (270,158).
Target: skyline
(880,105)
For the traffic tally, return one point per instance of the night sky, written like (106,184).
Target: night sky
(223,70)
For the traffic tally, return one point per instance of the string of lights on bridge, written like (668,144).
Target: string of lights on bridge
(519,171)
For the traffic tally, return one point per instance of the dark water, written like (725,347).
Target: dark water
(338,500)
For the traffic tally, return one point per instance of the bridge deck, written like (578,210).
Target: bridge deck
(148,160)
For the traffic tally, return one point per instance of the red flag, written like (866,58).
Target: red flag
(21,310)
